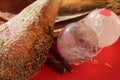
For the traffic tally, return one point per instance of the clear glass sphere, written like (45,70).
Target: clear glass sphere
(77,43)
(106,24)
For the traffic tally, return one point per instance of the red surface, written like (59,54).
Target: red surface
(107,67)
(105,12)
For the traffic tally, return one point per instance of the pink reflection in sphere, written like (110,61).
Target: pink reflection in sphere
(106,24)
(77,43)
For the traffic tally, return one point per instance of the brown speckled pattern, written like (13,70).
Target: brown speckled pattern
(25,40)
(18,67)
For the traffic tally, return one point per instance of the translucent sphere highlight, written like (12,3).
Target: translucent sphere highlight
(106,24)
(77,43)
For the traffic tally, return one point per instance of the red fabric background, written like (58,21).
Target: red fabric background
(107,67)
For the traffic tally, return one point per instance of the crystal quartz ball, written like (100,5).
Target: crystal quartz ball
(106,24)
(77,43)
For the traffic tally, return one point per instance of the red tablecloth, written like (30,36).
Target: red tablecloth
(105,67)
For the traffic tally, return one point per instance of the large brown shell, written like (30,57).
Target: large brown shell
(25,40)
